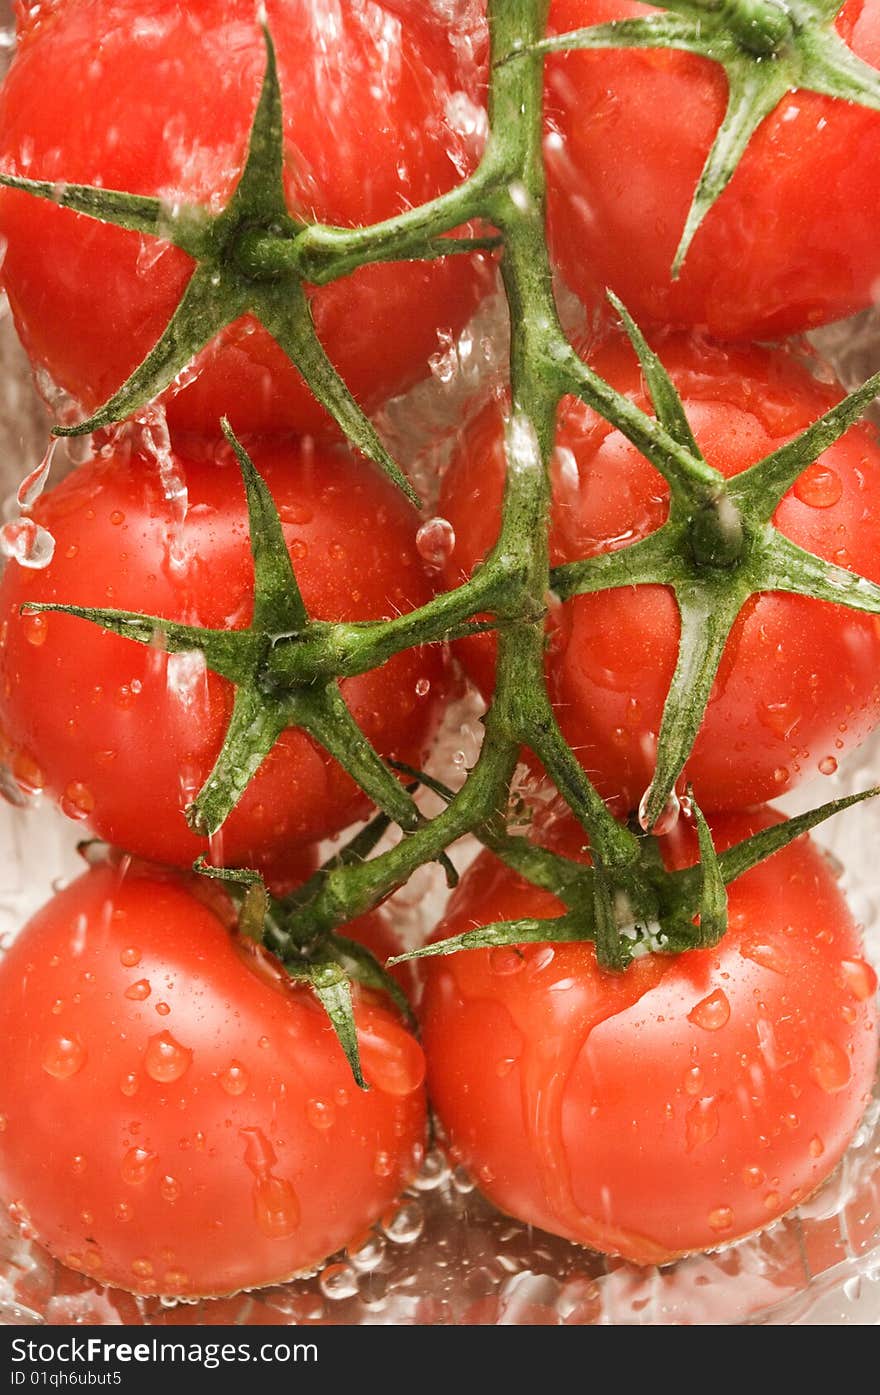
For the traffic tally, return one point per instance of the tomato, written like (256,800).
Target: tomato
(181,1118)
(125,735)
(676,1106)
(629,131)
(377,119)
(798,682)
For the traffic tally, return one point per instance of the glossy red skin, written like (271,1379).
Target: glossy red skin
(69,699)
(798,684)
(255,1117)
(772,257)
(366,136)
(597,1107)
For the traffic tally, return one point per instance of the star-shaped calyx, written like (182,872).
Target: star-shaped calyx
(248,260)
(717,548)
(263,707)
(767,48)
(327,963)
(688,906)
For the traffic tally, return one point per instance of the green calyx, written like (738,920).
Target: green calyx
(688,908)
(767,48)
(261,710)
(329,965)
(718,548)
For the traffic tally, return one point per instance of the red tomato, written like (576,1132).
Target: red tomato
(181,1118)
(671,1108)
(124,735)
(371,128)
(630,131)
(798,683)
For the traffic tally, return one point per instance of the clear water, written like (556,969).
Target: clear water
(444,1255)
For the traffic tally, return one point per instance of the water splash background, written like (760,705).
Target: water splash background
(444,1255)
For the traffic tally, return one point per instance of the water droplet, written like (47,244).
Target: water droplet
(383,1164)
(129,957)
(817,1147)
(320,1115)
(392,1060)
(721,1219)
(163,1009)
(506,960)
(668,815)
(772,1200)
(137,992)
(711,1012)
(117,517)
(77,801)
(701,1124)
(693,1081)
(423,687)
(369,1254)
(36,628)
(404,1225)
(781,775)
(129,1084)
(165,1060)
(3,1123)
(259,1155)
(27,543)
(33,483)
(435,541)
(137,1165)
(169,1188)
(753,1177)
(828,765)
(433,1173)
(175,1281)
(768,956)
(819,486)
(142,1268)
(829,1066)
(505,1066)
(26,773)
(859,978)
(338,1281)
(77,1164)
(276,1208)
(63,1056)
(122,1211)
(462,1181)
(234,1079)
(852,1288)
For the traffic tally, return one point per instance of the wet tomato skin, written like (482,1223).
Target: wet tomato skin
(182,1120)
(797,686)
(91,300)
(124,735)
(628,133)
(673,1108)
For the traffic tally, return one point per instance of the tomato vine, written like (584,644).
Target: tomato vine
(718,548)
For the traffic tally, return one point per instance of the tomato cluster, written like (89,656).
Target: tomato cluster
(674,1106)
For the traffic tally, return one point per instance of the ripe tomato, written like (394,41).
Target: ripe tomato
(181,1119)
(630,131)
(671,1108)
(377,118)
(124,735)
(798,682)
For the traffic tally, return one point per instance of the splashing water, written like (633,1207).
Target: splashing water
(156,442)
(27,543)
